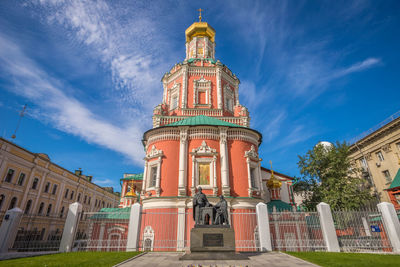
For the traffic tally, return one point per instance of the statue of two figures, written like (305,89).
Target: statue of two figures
(205,213)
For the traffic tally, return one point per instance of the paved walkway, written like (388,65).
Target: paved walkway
(171,259)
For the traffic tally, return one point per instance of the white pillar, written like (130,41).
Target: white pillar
(263,227)
(219,88)
(101,237)
(391,224)
(328,227)
(180,238)
(9,228)
(182,161)
(70,227)
(134,228)
(224,161)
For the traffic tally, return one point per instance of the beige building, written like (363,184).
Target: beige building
(377,153)
(44,191)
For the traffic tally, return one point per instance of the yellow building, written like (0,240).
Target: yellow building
(44,190)
(377,154)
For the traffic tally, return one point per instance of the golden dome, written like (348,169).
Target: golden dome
(200,29)
(273,183)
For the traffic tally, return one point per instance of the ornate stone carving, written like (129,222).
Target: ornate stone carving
(252,154)
(387,148)
(204,149)
(154,153)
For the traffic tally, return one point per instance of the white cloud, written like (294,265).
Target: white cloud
(356,67)
(63,111)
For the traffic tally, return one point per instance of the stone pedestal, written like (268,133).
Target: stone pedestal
(210,242)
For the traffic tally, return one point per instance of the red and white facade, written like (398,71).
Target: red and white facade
(220,157)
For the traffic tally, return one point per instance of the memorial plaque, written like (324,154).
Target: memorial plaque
(213,240)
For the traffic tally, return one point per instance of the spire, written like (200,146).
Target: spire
(200,13)
(274,185)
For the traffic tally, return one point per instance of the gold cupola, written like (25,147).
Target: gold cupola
(273,182)
(200,40)
(200,29)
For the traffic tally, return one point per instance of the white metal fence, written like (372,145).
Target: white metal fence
(361,231)
(102,231)
(296,231)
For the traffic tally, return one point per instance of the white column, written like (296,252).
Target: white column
(180,238)
(214,165)
(219,89)
(263,227)
(224,161)
(9,228)
(134,228)
(101,237)
(328,227)
(184,86)
(237,93)
(182,161)
(193,188)
(144,185)
(70,227)
(3,167)
(165,92)
(391,224)
(158,178)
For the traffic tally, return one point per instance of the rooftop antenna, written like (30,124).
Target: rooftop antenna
(21,114)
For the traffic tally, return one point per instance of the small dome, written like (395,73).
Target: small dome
(325,144)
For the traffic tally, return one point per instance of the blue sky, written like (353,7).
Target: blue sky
(90,73)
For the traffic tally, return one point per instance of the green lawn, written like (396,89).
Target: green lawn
(98,259)
(332,259)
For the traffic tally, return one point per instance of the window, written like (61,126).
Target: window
(79,197)
(12,203)
(386,173)
(21,179)
(28,206)
(174,103)
(54,189)
(95,203)
(363,163)
(398,146)
(47,187)
(9,175)
(89,200)
(253,178)
(204,173)
(48,210)
(72,195)
(62,212)
(153,176)
(66,193)
(35,183)
(379,155)
(84,199)
(41,208)
(2,197)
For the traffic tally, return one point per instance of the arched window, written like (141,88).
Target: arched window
(2,197)
(48,210)
(41,208)
(35,183)
(28,206)
(12,203)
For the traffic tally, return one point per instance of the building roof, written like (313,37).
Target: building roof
(112,213)
(279,205)
(203,120)
(396,181)
(277,173)
(136,177)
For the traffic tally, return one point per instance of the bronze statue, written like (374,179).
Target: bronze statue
(221,209)
(199,201)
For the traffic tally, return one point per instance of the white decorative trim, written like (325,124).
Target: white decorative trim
(228,98)
(253,162)
(251,153)
(202,85)
(148,233)
(154,153)
(172,92)
(208,155)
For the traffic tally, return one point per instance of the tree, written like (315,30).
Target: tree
(328,173)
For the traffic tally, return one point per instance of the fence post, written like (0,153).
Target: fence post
(134,228)
(391,224)
(70,226)
(9,228)
(328,227)
(263,227)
